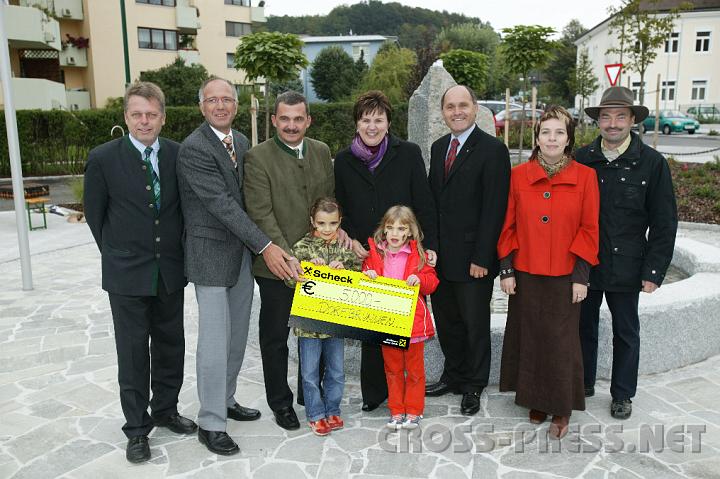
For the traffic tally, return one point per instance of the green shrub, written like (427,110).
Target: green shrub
(57,142)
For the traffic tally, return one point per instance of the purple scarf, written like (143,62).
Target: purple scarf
(369,155)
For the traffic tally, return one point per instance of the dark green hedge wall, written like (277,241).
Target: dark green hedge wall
(57,142)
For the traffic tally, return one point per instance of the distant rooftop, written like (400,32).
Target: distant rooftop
(345,38)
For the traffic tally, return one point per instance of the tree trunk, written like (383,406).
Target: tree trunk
(641,97)
(267,110)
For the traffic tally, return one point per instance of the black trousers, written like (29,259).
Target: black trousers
(626,340)
(157,320)
(462,318)
(276,301)
(373,384)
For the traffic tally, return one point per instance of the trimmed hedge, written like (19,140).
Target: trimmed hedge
(57,142)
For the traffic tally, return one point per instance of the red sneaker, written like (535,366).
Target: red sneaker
(335,422)
(320,427)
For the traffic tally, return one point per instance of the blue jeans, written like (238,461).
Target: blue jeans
(332,351)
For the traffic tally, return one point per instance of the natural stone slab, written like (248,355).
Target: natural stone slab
(399,465)
(307,448)
(356,439)
(64,459)
(49,409)
(45,438)
(278,470)
(185,455)
(335,464)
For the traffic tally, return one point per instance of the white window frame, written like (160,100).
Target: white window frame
(360,46)
(708,38)
(666,88)
(672,44)
(705,87)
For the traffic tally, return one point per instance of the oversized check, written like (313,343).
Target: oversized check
(348,304)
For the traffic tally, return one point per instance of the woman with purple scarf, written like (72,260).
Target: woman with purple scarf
(376,172)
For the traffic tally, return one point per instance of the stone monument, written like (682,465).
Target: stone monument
(425,121)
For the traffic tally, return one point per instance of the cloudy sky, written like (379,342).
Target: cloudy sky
(553,13)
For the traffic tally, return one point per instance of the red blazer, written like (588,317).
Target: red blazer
(551,221)
(422,324)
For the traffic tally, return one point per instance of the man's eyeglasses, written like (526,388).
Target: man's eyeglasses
(227,101)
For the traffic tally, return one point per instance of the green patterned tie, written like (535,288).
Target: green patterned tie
(154,176)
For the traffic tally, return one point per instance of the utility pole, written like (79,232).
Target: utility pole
(14,151)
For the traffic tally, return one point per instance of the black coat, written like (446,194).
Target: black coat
(399,179)
(471,203)
(638,216)
(135,241)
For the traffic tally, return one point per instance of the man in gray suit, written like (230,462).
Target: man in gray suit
(220,241)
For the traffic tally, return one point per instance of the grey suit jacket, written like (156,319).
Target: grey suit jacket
(216,225)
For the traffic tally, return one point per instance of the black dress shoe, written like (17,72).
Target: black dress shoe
(621,408)
(240,413)
(218,442)
(589,391)
(438,389)
(137,449)
(286,418)
(369,406)
(177,424)
(470,403)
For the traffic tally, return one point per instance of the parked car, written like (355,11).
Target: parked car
(496,105)
(711,113)
(575,112)
(671,121)
(515,116)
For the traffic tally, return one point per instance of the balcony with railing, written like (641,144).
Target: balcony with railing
(61,9)
(30,27)
(187,16)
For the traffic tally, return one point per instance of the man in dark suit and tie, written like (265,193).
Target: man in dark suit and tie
(133,209)
(469,178)
(220,241)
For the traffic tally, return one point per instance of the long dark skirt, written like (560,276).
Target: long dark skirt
(541,358)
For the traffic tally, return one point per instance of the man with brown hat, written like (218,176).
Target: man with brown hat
(638,223)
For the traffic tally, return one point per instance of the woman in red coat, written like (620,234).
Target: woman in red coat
(548,243)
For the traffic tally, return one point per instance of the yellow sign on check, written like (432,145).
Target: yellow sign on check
(351,299)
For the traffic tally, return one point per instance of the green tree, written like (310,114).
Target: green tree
(559,70)
(179,82)
(467,68)
(525,48)
(476,37)
(361,66)
(641,30)
(583,82)
(277,57)
(390,72)
(333,74)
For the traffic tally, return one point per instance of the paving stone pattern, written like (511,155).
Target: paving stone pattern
(60,414)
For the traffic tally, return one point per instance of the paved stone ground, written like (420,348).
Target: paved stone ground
(60,415)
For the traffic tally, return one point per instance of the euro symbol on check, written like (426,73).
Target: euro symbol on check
(307,286)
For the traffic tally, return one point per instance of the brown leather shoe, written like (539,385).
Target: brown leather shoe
(559,426)
(537,417)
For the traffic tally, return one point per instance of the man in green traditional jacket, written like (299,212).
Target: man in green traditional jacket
(283,177)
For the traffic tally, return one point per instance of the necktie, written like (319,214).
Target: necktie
(231,151)
(154,177)
(452,154)
(297,152)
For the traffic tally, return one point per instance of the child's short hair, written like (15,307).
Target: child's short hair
(405,216)
(326,204)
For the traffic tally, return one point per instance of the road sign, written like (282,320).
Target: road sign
(613,72)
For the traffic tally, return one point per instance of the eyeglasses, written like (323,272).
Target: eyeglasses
(225,101)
